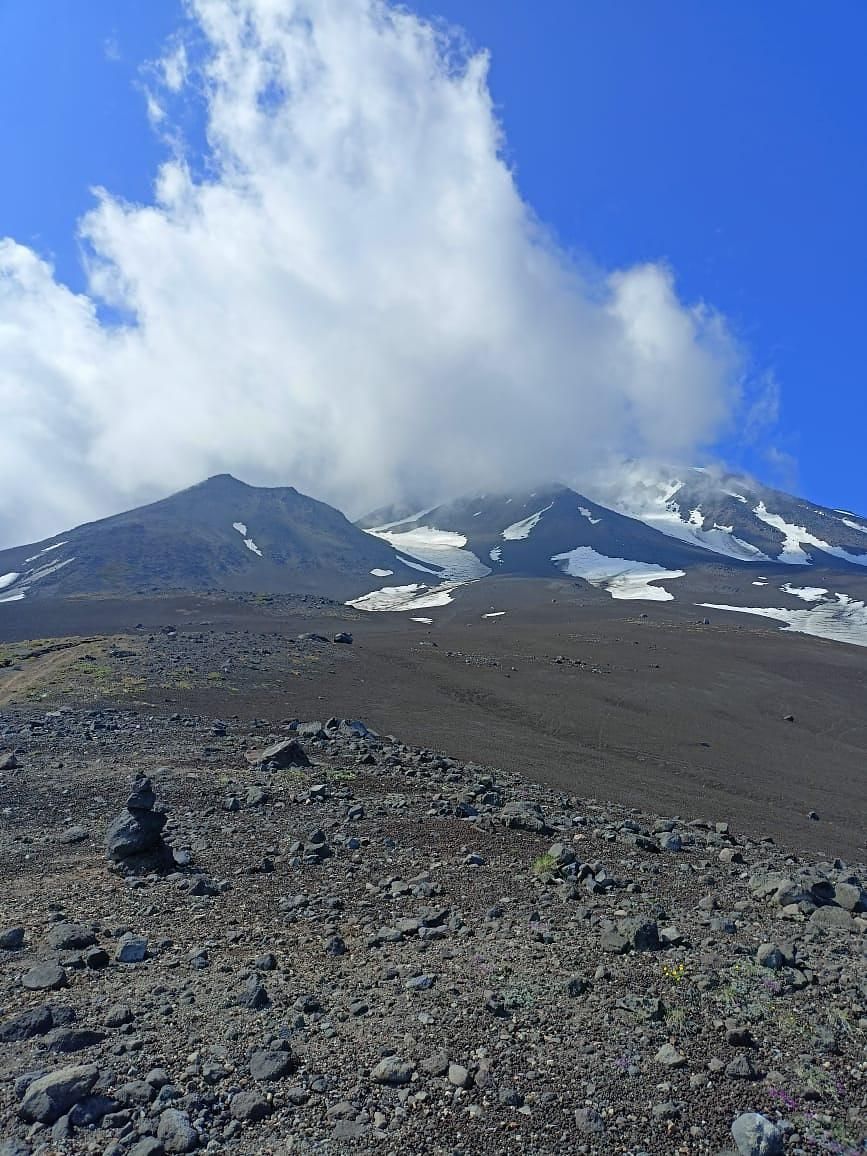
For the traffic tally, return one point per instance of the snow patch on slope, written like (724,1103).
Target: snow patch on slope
(399,598)
(442,548)
(585,513)
(14,587)
(621,577)
(248,542)
(842,620)
(520,530)
(382,573)
(795,537)
(805,593)
(653,503)
(854,525)
(46,550)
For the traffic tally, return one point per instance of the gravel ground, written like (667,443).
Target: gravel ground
(391,950)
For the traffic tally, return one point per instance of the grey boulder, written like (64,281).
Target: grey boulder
(51,1096)
(755,1135)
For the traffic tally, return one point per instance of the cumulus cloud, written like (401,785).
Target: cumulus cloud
(347,293)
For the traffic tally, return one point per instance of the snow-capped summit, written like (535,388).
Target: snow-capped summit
(736,517)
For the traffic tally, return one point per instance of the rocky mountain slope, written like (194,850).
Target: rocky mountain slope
(220,534)
(648,536)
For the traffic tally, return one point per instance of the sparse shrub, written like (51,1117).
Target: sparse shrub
(545,865)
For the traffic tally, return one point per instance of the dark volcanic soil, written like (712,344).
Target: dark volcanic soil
(564,934)
(635,702)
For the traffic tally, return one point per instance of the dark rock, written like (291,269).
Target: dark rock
(134,833)
(132,949)
(12,939)
(147,1146)
(254,995)
(588,1121)
(524,816)
(267,1065)
(72,835)
(118,1015)
(142,796)
(34,1022)
(286,753)
(392,1070)
(91,1110)
(755,1135)
(176,1132)
(44,977)
(249,1106)
(70,937)
(50,1097)
(72,1039)
(741,1068)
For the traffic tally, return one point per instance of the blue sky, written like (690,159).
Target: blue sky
(726,139)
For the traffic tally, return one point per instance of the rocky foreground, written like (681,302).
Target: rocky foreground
(276,937)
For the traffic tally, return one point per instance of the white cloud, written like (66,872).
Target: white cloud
(354,300)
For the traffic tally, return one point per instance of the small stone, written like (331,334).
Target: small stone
(670,1057)
(118,1015)
(643,934)
(96,958)
(44,977)
(667,1110)
(510,1098)
(147,1146)
(249,1107)
(267,1065)
(769,955)
(132,950)
(420,983)
(741,1068)
(134,833)
(72,835)
(12,939)
(755,1135)
(33,1022)
(72,1039)
(577,986)
(437,1064)
(850,897)
(458,1076)
(286,753)
(588,1121)
(176,1132)
(392,1070)
(254,995)
(831,919)
(70,937)
(141,796)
